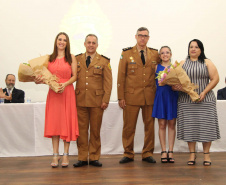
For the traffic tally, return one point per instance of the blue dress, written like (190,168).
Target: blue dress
(165,103)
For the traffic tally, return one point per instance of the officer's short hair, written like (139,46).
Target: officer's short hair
(91,35)
(143,29)
(8,75)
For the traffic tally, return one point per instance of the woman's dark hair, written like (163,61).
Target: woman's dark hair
(202,56)
(53,56)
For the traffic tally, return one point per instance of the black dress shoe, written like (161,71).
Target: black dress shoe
(149,159)
(95,163)
(125,160)
(80,163)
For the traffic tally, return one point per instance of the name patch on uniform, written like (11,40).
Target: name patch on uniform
(153,62)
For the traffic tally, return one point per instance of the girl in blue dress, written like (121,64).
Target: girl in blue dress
(165,108)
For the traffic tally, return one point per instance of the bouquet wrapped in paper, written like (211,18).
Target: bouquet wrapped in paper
(38,67)
(175,74)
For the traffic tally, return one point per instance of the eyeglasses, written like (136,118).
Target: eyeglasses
(143,36)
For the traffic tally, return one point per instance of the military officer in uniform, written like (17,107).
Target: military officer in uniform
(136,90)
(93,90)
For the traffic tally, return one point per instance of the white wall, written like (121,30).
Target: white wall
(28,29)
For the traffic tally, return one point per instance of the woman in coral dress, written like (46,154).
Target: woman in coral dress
(61,114)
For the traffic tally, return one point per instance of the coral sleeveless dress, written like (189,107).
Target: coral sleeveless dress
(61,112)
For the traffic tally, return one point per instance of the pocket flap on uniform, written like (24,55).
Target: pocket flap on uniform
(97,71)
(99,91)
(130,90)
(77,91)
(132,66)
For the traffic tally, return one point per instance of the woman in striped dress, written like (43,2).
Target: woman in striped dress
(198,121)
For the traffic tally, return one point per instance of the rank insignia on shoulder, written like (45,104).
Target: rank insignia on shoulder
(153,49)
(78,54)
(105,57)
(125,49)
(121,57)
(153,62)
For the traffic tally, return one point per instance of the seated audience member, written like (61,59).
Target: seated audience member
(10,93)
(221,93)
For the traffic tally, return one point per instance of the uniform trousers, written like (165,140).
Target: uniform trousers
(89,145)
(130,115)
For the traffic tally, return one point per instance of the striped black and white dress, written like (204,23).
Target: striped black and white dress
(197,122)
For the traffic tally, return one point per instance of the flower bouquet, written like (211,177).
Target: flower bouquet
(174,75)
(38,67)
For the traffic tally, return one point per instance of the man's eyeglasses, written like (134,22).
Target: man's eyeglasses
(143,36)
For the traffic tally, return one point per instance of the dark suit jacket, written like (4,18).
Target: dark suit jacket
(17,96)
(221,94)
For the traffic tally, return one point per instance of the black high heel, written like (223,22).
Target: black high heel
(207,163)
(164,160)
(192,162)
(170,159)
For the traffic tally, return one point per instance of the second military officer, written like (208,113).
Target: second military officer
(93,90)
(136,90)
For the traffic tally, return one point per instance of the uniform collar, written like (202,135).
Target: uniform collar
(92,56)
(145,50)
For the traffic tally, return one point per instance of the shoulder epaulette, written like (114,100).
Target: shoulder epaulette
(105,57)
(153,49)
(125,49)
(78,54)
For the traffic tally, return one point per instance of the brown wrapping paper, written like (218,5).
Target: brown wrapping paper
(25,73)
(38,67)
(179,76)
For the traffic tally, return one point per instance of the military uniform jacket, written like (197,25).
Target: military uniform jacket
(136,82)
(94,83)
